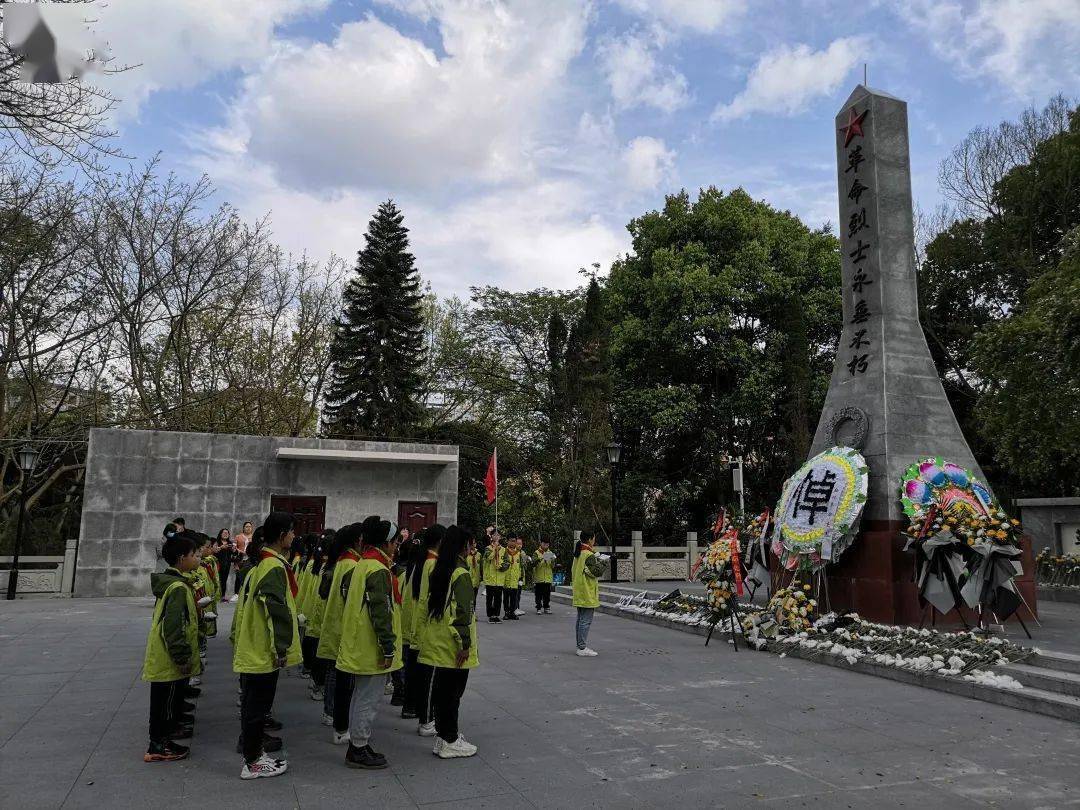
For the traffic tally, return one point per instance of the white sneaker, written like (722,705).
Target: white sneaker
(341,739)
(519,612)
(547,610)
(388,688)
(264,767)
(209,615)
(194,681)
(586,653)
(439,743)
(538,611)
(327,719)
(458,748)
(235,597)
(316,692)
(426,729)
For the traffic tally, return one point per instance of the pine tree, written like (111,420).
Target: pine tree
(378,346)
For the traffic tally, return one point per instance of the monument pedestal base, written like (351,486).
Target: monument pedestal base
(874,578)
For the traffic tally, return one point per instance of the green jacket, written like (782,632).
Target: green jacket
(173,641)
(371,621)
(267,627)
(455,630)
(543,571)
(586,571)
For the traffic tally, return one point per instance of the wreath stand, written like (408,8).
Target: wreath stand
(734,629)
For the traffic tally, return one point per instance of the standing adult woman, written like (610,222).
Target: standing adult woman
(224,554)
(370,646)
(449,642)
(241,541)
(587,568)
(267,641)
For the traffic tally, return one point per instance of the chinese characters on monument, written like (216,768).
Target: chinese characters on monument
(857,245)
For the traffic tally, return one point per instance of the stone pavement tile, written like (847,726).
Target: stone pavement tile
(1001,790)
(350,789)
(757,781)
(513,802)
(437,780)
(846,771)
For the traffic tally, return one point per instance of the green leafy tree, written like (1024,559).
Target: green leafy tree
(377,352)
(725,322)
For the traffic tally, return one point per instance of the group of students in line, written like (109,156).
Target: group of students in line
(356,607)
(364,611)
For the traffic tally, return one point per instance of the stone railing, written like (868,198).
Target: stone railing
(52,576)
(641,563)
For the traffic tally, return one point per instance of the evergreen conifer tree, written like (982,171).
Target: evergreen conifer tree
(378,346)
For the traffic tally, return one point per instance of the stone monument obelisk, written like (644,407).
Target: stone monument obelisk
(885,397)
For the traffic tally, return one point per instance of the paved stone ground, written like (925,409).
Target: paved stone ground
(657,720)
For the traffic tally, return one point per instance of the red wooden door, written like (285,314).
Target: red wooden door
(417,515)
(309,511)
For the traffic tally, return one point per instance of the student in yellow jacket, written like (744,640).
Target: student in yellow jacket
(172,647)
(587,568)
(449,641)
(513,572)
(370,638)
(543,575)
(334,586)
(493,577)
(267,641)
(418,675)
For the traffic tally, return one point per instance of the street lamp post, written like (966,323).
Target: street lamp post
(614,453)
(27,460)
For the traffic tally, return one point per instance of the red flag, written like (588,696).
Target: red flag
(491,480)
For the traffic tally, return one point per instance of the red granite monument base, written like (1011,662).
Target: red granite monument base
(874,579)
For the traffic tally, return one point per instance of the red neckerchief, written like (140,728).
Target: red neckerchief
(586,547)
(374,553)
(209,566)
(266,554)
(431,555)
(349,555)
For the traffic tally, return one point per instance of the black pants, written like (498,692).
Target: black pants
(343,688)
(543,595)
(224,564)
(493,593)
(238,579)
(418,687)
(447,687)
(309,646)
(318,665)
(165,698)
(511,600)
(256,702)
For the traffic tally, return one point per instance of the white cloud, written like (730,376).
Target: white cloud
(786,80)
(183,44)
(1031,47)
(702,16)
(636,76)
(648,163)
(375,106)
(501,177)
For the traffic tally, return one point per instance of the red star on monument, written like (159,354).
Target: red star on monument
(854,125)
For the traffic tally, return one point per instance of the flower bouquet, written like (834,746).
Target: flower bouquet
(1057,570)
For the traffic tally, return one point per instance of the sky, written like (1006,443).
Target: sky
(521,136)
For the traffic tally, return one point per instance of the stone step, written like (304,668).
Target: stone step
(1050,680)
(1059,661)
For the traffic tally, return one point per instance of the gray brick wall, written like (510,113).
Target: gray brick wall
(138,480)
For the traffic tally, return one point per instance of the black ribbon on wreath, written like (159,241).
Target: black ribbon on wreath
(989,581)
(939,570)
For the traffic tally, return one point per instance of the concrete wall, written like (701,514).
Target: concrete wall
(138,480)
(1051,523)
